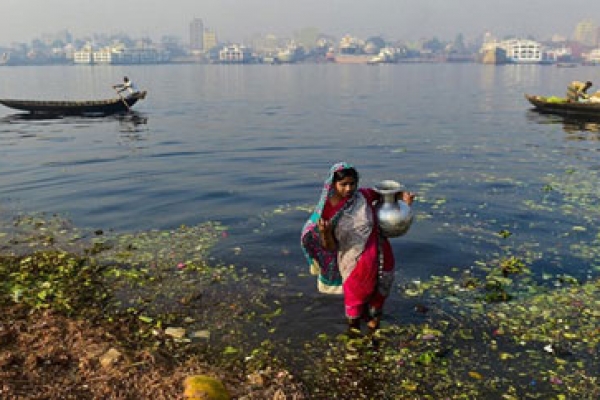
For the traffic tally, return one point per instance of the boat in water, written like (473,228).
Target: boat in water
(69,107)
(566,65)
(560,106)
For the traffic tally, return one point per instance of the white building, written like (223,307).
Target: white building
(558,53)
(592,58)
(522,51)
(84,56)
(103,56)
(119,54)
(235,54)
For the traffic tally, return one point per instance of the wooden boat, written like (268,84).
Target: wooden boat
(84,108)
(554,105)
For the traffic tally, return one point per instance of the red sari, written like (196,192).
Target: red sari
(367,285)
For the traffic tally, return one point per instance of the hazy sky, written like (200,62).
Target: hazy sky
(234,20)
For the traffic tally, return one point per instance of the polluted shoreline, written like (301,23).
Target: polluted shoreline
(513,324)
(493,329)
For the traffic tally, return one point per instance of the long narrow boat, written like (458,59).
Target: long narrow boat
(84,108)
(559,106)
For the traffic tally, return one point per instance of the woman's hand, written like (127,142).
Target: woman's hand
(407,197)
(324,225)
(326,234)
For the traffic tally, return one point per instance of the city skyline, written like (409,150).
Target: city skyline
(234,20)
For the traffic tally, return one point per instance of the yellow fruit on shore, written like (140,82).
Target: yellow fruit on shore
(202,387)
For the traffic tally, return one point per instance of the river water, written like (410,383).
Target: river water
(249,146)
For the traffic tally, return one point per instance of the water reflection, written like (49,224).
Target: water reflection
(58,128)
(578,128)
(132,116)
(129,122)
(132,122)
(19,117)
(131,130)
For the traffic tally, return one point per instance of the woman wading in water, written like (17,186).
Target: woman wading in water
(343,245)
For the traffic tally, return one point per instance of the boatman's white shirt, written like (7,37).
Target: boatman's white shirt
(130,87)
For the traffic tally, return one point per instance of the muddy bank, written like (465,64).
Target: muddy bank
(97,315)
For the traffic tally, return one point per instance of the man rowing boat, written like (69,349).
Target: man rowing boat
(128,86)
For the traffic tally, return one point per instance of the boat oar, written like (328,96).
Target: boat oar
(122,99)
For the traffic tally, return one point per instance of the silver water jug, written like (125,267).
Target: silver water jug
(395,217)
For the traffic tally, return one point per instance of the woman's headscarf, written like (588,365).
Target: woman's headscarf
(323,262)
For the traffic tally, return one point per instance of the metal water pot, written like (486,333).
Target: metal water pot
(395,217)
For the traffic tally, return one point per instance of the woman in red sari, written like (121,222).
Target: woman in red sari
(343,245)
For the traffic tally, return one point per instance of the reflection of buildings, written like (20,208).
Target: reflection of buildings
(489,80)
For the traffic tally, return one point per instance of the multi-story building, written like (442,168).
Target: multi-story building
(84,56)
(119,54)
(235,54)
(586,33)
(523,51)
(197,34)
(592,58)
(103,56)
(210,39)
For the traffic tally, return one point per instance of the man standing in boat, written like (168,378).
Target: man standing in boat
(577,91)
(128,86)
